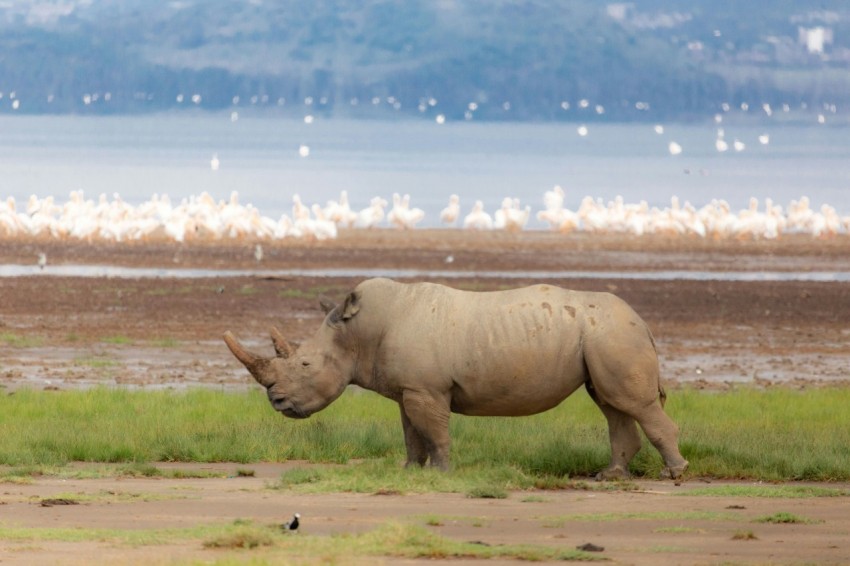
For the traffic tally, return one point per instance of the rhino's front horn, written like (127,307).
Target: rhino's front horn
(257,365)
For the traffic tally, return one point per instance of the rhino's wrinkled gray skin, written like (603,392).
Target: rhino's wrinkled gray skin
(436,350)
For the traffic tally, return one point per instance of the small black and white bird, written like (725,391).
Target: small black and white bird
(291,525)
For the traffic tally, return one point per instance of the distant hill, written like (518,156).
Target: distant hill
(487,59)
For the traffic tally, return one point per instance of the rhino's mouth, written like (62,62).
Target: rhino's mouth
(287,409)
(293,413)
(282,404)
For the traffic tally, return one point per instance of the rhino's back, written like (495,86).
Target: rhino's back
(507,352)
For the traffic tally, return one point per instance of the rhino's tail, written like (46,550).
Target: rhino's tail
(662,395)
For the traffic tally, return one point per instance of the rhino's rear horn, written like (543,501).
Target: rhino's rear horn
(256,364)
(283,348)
(326,304)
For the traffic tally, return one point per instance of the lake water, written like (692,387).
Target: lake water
(70,270)
(138,156)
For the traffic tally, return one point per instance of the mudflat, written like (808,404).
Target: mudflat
(712,331)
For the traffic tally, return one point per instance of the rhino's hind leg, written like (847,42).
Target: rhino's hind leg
(626,379)
(663,433)
(625,442)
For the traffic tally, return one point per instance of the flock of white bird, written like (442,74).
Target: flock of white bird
(202,218)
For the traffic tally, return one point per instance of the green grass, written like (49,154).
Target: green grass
(18,341)
(768,491)
(784,518)
(560,521)
(392,540)
(487,492)
(334,292)
(773,435)
(677,530)
(118,340)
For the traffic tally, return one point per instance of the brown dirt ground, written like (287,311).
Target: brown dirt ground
(61,332)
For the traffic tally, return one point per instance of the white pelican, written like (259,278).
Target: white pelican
(402,216)
(449,214)
(372,215)
(511,217)
(477,219)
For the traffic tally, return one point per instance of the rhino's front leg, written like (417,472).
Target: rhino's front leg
(417,453)
(429,416)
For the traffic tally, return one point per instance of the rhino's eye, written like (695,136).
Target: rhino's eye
(305,364)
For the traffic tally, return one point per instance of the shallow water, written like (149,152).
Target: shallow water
(137,156)
(12,270)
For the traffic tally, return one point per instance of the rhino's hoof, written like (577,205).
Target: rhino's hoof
(615,473)
(674,472)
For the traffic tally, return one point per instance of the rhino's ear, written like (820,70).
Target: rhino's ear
(283,348)
(350,307)
(326,304)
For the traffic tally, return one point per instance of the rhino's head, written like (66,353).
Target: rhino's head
(301,380)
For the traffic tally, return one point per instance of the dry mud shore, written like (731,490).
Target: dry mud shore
(59,332)
(63,331)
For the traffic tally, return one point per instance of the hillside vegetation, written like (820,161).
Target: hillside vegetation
(493,59)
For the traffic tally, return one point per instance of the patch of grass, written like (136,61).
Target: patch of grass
(487,492)
(767,491)
(744,535)
(534,499)
(571,441)
(300,476)
(112,496)
(677,530)
(410,541)
(669,549)
(245,473)
(390,540)
(243,535)
(434,521)
(334,292)
(784,518)
(808,451)
(159,292)
(247,290)
(561,520)
(165,343)
(119,340)
(140,469)
(18,341)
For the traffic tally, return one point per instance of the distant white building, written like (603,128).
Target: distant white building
(814,38)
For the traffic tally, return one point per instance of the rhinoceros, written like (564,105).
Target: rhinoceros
(436,350)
